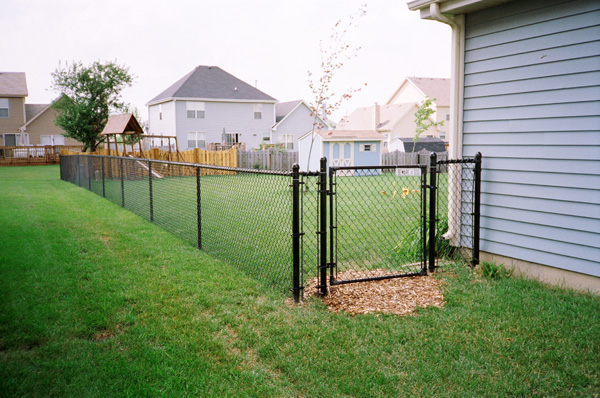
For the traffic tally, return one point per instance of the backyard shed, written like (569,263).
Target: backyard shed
(126,126)
(341,148)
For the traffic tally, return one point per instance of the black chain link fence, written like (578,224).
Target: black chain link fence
(284,228)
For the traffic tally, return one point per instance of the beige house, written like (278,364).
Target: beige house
(396,118)
(417,89)
(24,124)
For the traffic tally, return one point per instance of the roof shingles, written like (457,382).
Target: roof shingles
(212,82)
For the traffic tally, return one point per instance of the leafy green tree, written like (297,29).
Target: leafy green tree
(89,95)
(423,121)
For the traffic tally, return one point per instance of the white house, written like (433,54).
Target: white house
(525,93)
(293,120)
(209,105)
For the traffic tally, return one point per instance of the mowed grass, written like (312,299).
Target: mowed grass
(96,301)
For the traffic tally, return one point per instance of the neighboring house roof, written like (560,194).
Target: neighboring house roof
(34,110)
(363,118)
(124,123)
(430,144)
(211,83)
(348,135)
(431,87)
(284,109)
(434,88)
(13,84)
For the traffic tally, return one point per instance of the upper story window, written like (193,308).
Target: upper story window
(447,116)
(258,111)
(195,110)
(160,112)
(3,107)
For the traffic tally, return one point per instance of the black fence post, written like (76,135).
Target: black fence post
(296,232)
(122,183)
(198,207)
(150,189)
(476,209)
(103,184)
(89,172)
(432,210)
(323,226)
(332,226)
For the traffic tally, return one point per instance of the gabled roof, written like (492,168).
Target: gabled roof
(13,84)
(124,123)
(434,88)
(283,109)
(363,118)
(430,87)
(34,110)
(211,83)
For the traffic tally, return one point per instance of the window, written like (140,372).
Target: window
(196,140)
(266,137)
(287,141)
(367,147)
(447,116)
(258,111)
(52,140)
(3,107)
(232,138)
(442,135)
(195,110)
(160,112)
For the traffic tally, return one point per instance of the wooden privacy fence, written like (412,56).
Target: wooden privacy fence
(267,160)
(227,158)
(396,158)
(31,155)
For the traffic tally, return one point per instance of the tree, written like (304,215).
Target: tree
(333,57)
(423,121)
(89,94)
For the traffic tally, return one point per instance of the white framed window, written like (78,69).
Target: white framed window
(442,135)
(4,107)
(196,139)
(367,147)
(52,140)
(287,141)
(266,137)
(160,112)
(195,109)
(258,111)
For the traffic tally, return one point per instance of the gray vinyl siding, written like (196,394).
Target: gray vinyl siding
(234,117)
(532,108)
(297,123)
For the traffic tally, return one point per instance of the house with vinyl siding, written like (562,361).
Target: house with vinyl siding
(23,124)
(209,105)
(294,119)
(525,92)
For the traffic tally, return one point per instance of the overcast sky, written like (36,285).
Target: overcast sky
(271,42)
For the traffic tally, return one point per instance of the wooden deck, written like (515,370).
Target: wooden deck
(32,155)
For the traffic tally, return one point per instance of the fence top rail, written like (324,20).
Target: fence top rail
(459,161)
(402,166)
(187,164)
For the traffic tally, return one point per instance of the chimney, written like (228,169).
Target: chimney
(376,116)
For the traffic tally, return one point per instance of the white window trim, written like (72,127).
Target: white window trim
(198,138)
(6,106)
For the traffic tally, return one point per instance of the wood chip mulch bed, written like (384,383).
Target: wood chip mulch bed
(400,296)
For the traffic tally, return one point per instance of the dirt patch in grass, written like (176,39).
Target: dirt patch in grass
(400,296)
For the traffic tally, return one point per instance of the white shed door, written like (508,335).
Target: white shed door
(341,154)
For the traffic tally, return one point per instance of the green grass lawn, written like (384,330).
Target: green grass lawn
(96,301)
